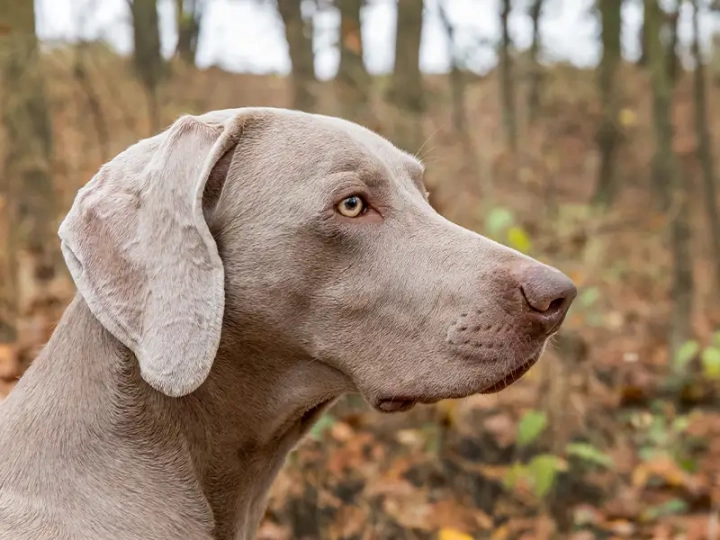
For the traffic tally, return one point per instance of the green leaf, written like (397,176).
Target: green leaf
(658,431)
(530,427)
(594,319)
(511,477)
(519,239)
(680,424)
(431,433)
(648,453)
(589,453)
(543,470)
(716,339)
(710,358)
(685,354)
(498,220)
(687,464)
(673,506)
(324,422)
(589,296)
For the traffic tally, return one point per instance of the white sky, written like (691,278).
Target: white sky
(247,35)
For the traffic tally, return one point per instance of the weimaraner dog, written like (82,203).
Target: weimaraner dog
(236,274)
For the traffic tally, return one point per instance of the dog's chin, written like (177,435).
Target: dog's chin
(512,377)
(396,404)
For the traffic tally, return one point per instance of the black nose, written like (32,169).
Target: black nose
(548,294)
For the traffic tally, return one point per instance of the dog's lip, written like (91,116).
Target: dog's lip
(405,403)
(396,404)
(511,377)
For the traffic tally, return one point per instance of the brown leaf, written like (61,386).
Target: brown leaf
(502,427)
(271,531)
(663,467)
(501,533)
(625,505)
(341,432)
(8,361)
(447,514)
(351,35)
(351,520)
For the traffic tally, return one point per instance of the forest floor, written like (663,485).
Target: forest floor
(607,437)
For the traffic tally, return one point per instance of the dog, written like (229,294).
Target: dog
(235,275)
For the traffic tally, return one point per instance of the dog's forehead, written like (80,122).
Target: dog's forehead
(338,145)
(373,145)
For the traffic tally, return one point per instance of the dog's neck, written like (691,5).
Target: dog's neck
(226,441)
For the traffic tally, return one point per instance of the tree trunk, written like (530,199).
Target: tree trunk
(670,178)
(26,190)
(352,80)
(406,86)
(457,77)
(608,134)
(458,83)
(536,73)
(672,61)
(300,45)
(147,57)
(670,43)
(705,144)
(189,17)
(507,87)
(643,59)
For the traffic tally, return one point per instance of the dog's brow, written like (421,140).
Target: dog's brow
(416,170)
(371,176)
(347,166)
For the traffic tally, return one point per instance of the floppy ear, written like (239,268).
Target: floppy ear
(140,252)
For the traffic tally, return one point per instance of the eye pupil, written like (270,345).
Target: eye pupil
(352,206)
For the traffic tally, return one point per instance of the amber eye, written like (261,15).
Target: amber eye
(352,207)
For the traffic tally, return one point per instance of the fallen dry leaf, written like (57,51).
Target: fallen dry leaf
(453,534)
(502,427)
(8,361)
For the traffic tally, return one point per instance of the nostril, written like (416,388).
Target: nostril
(547,291)
(543,305)
(555,305)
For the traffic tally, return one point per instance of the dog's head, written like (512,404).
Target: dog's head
(311,237)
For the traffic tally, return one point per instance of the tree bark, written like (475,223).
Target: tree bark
(189,18)
(458,84)
(642,60)
(507,86)
(536,72)
(406,91)
(672,61)
(352,80)
(147,57)
(704,138)
(457,77)
(671,19)
(608,135)
(670,178)
(26,187)
(300,45)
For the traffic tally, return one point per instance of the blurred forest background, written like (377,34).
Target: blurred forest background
(606,170)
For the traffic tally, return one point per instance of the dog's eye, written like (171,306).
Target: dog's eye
(352,207)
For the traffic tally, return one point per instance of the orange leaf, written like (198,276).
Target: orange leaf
(8,361)
(453,534)
(352,42)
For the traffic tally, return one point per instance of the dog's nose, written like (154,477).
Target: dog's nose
(548,294)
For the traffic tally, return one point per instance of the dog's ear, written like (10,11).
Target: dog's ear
(141,254)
